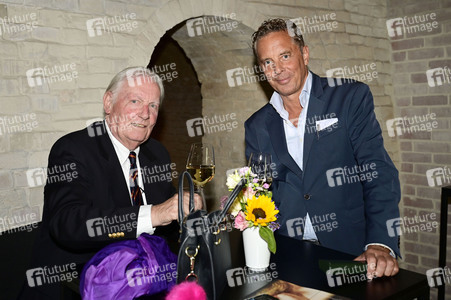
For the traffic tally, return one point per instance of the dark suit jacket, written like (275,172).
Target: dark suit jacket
(93,209)
(360,208)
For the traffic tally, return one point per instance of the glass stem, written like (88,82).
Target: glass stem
(200,191)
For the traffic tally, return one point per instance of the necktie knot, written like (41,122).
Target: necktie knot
(132,157)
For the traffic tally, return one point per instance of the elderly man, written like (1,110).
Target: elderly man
(335,183)
(108,198)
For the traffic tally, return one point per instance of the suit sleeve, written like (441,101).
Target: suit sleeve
(77,216)
(382,193)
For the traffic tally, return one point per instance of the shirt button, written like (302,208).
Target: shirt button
(307,197)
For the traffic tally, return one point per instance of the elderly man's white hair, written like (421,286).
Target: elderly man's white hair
(134,76)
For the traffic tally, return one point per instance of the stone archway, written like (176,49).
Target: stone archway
(226,100)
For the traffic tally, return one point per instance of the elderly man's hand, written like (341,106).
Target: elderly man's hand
(380,262)
(166,212)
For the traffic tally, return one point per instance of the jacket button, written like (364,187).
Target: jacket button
(307,197)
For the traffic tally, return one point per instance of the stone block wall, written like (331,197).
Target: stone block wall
(420,56)
(65,36)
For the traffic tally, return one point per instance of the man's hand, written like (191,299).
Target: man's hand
(166,212)
(380,262)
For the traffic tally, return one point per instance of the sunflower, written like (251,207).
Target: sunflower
(261,210)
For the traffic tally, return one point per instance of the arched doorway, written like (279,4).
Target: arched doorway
(203,59)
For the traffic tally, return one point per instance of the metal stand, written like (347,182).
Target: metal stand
(445,201)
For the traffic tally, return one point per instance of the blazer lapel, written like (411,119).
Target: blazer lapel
(315,108)
(274,125)
(146,160)
(118,187)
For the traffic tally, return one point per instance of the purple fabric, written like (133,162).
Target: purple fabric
(129,269)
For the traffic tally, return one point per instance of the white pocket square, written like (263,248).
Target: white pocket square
(321,124)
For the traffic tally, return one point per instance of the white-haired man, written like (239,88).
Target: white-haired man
(109,198)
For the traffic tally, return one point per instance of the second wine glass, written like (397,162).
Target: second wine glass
(260,164)
(201,166)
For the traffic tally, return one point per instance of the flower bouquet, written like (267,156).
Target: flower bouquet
(254,208)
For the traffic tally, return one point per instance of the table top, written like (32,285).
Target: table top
(298,262)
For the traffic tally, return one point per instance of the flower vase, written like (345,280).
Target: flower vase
(256,250)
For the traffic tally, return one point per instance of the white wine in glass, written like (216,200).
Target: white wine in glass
(201,174)
(201,166)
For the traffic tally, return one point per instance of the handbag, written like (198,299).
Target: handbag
(204,254)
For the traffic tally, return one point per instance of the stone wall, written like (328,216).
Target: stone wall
(342,36)
(419,51)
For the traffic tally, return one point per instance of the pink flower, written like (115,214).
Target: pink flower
(249,193)
(240,221)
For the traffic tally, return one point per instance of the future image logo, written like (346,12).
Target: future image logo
(317,23)
(114,226)
(36,177)
(137,277)
(394,227)
(50,75)
(240,276)
(406,26)
(438,176)
(239,76)
(347,275)
(406,225)
(95,127)
(401,125)
(196,227)
(213,124)
(56,173)
(51,275)
(326,222)
(346,74)
(438,76)
(438,276)
(350,175)
(18,23)
(211,24)
(99,26)
(18,123)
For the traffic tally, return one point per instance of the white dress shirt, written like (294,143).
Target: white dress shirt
(295,137)
(144,223)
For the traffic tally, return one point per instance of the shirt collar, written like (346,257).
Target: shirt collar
(277,102)
(122,152)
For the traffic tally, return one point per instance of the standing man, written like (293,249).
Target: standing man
(113,193)
(332,169)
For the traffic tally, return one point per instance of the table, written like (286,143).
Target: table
(298,262)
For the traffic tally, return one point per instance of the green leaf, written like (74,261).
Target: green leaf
(268,236)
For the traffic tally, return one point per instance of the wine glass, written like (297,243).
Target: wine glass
(260,164)
(201,166)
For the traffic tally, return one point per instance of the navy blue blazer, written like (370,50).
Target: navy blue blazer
(98,192)
(348,185)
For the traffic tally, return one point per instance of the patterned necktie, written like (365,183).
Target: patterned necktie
(135,191)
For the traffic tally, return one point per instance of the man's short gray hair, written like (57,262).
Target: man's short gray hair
(130,76)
